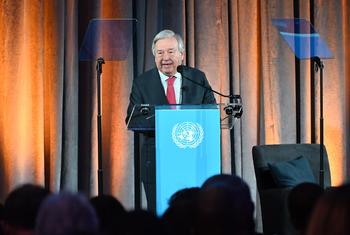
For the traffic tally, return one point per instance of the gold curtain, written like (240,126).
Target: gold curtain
(38,93)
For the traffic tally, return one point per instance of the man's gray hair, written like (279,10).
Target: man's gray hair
(168,34)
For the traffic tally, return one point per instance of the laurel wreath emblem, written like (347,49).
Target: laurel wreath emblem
(187,134)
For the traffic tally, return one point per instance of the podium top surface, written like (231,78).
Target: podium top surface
(302,38)
(107,38)
(142,116)
(187,106)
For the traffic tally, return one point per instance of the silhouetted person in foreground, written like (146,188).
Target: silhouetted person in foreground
(1,218)
(331,215)
(111,214)
(180,215)
(66,214)
(142,222)
(225,207)
(301,202)
(21,209)
(184,196)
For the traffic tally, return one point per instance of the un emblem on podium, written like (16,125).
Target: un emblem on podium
(187,134)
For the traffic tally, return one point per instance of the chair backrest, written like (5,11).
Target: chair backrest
(264,154)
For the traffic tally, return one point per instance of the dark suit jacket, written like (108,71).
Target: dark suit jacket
(148,89)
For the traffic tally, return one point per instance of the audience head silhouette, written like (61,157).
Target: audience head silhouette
(21,208)
(111,214)
(225,207)
(141,222)
(1,218)
(180,215)
(331,215)
(184,196)
(301,202)
(66,214)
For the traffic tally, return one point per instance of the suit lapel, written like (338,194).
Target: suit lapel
(184,91)
(157,88)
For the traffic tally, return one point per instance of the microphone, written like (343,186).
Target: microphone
(182,68)
(144,109)
(231,109)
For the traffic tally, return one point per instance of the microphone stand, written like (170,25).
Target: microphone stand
(229,109)
(99,63)
(320,66)
(208,88)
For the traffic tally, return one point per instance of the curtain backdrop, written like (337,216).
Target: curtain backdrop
(48,131)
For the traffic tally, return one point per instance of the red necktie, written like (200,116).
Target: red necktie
(170,92)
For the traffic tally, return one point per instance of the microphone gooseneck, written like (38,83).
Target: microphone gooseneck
(182,68)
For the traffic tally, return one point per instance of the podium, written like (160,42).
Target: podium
(187,145)
(187,148)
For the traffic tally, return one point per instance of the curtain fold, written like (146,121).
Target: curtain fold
(53,53)
(60,55)
(21,94)
(69,179)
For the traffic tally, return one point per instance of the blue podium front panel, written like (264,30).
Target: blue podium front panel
(187,150)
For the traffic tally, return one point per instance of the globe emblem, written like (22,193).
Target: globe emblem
(187,134)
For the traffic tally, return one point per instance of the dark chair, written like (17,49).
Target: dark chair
(273,197)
